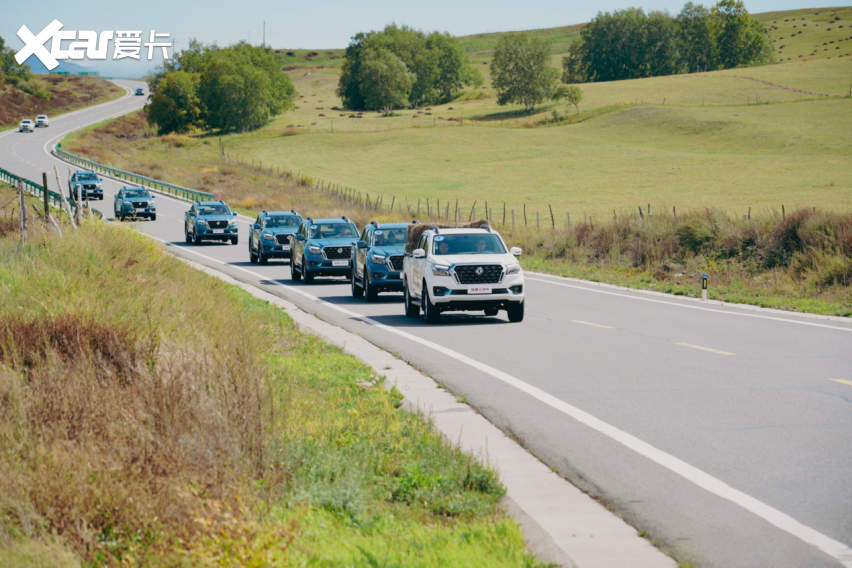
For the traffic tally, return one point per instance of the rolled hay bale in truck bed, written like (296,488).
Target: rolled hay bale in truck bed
(415,231)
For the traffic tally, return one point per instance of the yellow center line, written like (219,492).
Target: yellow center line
(705,349)
(845,382)
(593,324)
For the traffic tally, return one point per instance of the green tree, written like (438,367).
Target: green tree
(385,81)
(572,94)
(175,106)
(454,68)
(574,66)
(696,43)
(614,45)
(659,45)
(521,71)
(737,37)
(10,71)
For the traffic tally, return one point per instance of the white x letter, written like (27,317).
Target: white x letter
(35,44)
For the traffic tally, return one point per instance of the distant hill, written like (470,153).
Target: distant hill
(38,67)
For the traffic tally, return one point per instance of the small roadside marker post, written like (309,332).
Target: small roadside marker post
(704,287)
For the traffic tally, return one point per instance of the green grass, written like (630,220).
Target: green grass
(245,442)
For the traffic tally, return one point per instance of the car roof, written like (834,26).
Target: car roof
(211,202)
(280,214)
(393,225)
(332,221)
(463,231)
(42,115)
(26,120)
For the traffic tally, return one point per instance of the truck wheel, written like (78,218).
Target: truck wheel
(369,290)
(429,310)
(309,278)
(295,275)
(154,217)
(260,258)
(235,241)
(515,312)
(186,236)
(357,291)
(411,310)
(252,256)
(491,312)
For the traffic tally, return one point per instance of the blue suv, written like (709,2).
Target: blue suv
(377,260)
(323,247)
(134,202)
(90,185)
(270,235)
(210,221)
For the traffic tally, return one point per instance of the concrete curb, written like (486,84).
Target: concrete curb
(562,525)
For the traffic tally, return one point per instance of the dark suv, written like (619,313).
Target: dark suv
(270,235)
(323,247)
(89,183)
(210,221)
(377,259)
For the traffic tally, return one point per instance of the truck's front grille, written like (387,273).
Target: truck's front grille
(217,224)
(138,204)
(282,239)
(479,273)
(337,253)
(396,262)
(90,186)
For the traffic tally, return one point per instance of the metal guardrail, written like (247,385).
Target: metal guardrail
(185,192)
(32,187)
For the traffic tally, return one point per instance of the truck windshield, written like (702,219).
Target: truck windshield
(87,176)
(213,209)
(333,231)
(138,193)
(282,221)
(477,243)
(390,237)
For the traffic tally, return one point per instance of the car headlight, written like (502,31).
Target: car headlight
(513,269)
(268,237)
(378,258)
(201,222)
(126,205)
(314,250)
(439,270)
(232,222)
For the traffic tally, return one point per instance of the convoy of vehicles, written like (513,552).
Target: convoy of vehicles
(134,202)
(89,185)
(377,260)
(271,234)
(323,247)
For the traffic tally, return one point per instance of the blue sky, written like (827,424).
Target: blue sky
(314,23)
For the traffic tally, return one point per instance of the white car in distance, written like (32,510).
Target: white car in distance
(42,120)
(26,126)
(461,269)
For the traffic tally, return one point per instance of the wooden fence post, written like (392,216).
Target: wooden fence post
(569,220)
(45,194)
(552,220)
(537,225)
(22,210)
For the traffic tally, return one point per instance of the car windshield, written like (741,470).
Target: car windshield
(213,209)
(333,231)
(467,244)
(390,237)
(26,121)
(283,221)
(87,175)
(138,192)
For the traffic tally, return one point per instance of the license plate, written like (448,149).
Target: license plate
(140,208)
(479,290)
(218,231)
(285,247)
(340,263)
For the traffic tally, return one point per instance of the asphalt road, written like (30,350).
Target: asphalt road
(724,433)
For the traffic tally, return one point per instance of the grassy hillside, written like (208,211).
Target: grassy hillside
(245,443)
(61,93)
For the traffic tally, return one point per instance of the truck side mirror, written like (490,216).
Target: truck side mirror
(418,253)
(255,226)
(516,251)
(300,237)
(362,244)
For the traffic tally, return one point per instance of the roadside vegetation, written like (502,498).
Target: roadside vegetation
(127,440)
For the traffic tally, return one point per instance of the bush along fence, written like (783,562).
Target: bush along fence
(185,192)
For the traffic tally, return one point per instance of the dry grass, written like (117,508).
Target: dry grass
(67,93)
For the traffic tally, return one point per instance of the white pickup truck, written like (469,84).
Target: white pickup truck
(461,269)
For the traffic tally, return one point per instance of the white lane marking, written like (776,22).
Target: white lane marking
(689,307)
(703,480)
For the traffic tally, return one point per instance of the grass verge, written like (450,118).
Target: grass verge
(152,414)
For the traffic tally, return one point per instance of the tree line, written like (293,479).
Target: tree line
(630,44)
(235,88)
(400,67)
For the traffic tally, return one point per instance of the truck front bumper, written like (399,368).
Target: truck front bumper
(447,295)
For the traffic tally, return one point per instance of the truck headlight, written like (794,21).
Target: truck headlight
(232,222)
(201,222)
(268,237)
(513,269)
(378,258)
(314,250)
(439,270)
